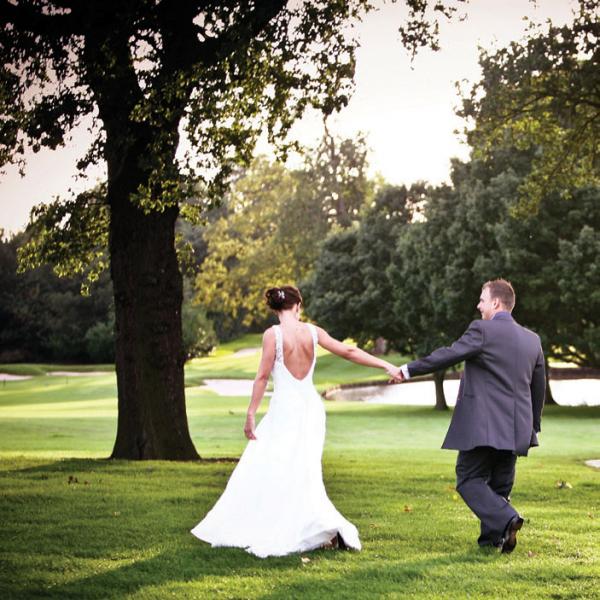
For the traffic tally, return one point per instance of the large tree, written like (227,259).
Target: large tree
(549,256)
(274,220)
(543,94)
(349,292)
(432,286)
(139,73)
(245,251)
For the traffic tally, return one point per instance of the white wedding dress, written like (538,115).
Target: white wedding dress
(275,502)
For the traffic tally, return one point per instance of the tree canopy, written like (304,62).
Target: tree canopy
(273,222)
(348,291)
(543,94)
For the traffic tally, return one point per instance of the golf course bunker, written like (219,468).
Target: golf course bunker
(246,351)
(9,377)
(77,373)
(231,387)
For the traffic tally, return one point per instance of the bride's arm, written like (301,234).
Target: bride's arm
(260,381)
(356,355)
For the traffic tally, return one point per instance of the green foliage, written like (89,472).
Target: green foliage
(199,337)
(432,287)
(336,170)
(272,225)
(349,293)
(100,341)
(143,71)
(332,290)
(225,70)
(543,94)
(472,234)
(244,256)
(44,317)
(579,284)
(71,235)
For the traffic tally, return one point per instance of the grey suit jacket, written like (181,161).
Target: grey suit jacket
(501,393)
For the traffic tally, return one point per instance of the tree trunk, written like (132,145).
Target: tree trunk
(549,397)
(440,397)
(148,289)
(380,347)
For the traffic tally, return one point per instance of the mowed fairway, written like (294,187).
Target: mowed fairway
(75,525)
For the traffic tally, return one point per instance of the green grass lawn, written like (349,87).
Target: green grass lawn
(77,526)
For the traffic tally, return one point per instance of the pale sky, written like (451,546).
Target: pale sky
(407,111)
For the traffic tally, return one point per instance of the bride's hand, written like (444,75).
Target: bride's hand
(395,374)
(249,427)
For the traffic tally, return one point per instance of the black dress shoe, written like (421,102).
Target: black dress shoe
(509,540)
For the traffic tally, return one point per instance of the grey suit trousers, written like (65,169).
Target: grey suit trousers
(484,479)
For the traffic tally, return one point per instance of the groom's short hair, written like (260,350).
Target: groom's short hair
(503,291)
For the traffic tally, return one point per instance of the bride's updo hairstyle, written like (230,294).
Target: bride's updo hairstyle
(283,298)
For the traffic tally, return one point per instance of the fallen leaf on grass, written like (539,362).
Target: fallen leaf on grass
(561,485)
(531,554)
(407,508)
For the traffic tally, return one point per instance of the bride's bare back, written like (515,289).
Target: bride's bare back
(298,349)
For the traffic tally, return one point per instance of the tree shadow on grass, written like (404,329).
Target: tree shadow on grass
(190,562)
(64,465)
(287,577)
(88,465)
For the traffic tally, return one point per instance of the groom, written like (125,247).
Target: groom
(498,410)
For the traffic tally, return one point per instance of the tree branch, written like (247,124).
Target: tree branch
(212,50)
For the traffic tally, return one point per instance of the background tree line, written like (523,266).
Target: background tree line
(395,263)
(412,269)
(46,318)
(267,228)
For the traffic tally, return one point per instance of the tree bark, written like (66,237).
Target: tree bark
(148,289)
(380,347)
(440,397)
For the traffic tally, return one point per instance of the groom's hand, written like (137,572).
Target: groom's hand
(395,374)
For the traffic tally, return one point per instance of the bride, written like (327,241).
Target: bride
(275,502)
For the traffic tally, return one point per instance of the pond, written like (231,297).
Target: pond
(566,392)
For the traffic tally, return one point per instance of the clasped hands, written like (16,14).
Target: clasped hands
(395,373)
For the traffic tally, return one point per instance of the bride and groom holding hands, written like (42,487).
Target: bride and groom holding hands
(275,502)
